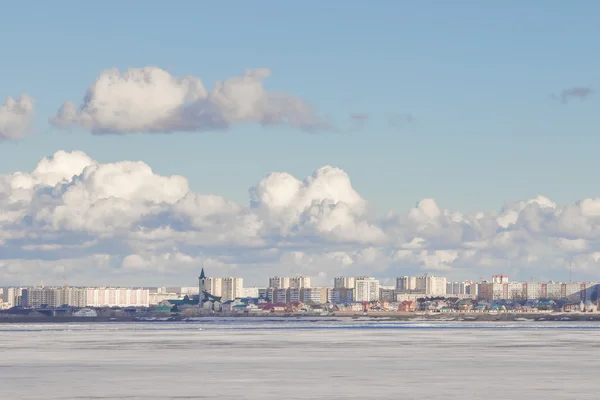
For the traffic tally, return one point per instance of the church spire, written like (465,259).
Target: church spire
(202,276)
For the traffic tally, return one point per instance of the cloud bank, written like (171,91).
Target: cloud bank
(16,116)
(122,223)
(152,100)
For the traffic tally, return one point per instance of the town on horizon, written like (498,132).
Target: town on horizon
(285,294)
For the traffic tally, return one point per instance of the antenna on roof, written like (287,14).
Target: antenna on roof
(570,271)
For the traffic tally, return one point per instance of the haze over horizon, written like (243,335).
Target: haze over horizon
(318,139)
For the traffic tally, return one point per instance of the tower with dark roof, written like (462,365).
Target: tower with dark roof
(202,284)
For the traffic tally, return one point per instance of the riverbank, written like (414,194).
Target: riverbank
(389,316)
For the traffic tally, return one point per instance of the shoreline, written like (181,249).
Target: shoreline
(389,317)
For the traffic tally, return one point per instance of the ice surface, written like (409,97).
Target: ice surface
(293,359)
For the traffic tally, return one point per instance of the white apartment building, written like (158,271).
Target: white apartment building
(573,291)
(366,289)
(456,288)
(183,290)
(279,295)
(406,284)
(11,297)
(387,293)
(232,288)
(252,292)
(432,285)
(300,282)
(428,285)
(344,282)
(279,282)
(117,297)
(316,295)
(341,295)
(213,286)
(53,297)
(285,282)
(293,294)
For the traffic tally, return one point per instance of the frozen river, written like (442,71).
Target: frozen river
(298,360)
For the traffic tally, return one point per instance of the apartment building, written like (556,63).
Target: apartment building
(316,295)
(279,282)
(366,288)
(342,295)
(344,282)
(253,292)
(428,285)
(573,291)
(117,297)
(456,288)
(406,284)
(232,288)
(12,297)
(387,293)
(300,282)
(213,285)
(53,297)
(284,282)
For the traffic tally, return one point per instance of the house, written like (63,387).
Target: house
(406,306)
(294,306)
(571,307)
(227,306)
(274,307)
(446,309)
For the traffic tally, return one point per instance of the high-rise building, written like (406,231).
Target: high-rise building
(54,297)
(342,295)
(316,295)
(284,282)
(252,292)
(366,289)
(232,288)
(117,297)
(406,284)
(429,285)
(279,282)
(214,286)
(12,296)
(300,282)
(344,282)
(456,288)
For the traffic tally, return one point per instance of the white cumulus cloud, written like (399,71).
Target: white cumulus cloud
(16,116)
(150,99)
(122,223)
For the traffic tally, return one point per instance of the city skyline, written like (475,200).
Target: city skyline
(397,141)
(211,293)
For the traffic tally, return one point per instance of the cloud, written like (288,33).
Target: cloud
(580,93)
(16,116)
(151,100)
(121,223)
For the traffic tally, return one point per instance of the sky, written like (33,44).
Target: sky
(317,137)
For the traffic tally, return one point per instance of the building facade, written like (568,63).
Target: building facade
(279,282)
(232,288)
(344,282)
(117,297)
(366,288)
(53,297)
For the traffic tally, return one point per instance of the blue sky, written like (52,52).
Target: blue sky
(477,80)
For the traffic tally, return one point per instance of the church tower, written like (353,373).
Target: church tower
(202,284)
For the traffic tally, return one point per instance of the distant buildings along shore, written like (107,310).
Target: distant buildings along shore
(214,292)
